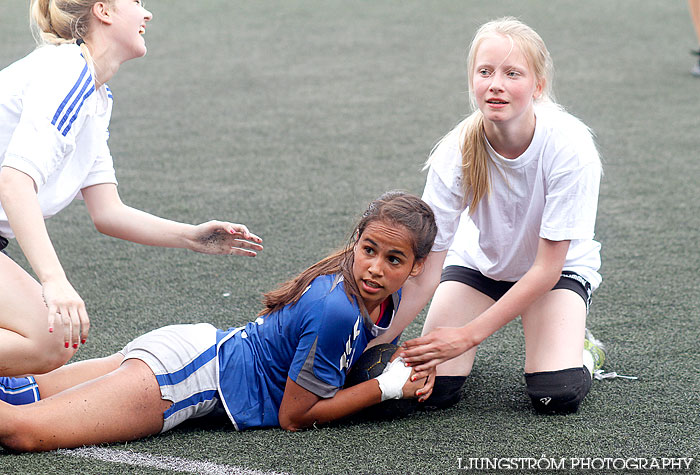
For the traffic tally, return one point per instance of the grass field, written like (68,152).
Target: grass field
(290,116)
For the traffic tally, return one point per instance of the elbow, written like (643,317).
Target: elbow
(291,425)
(11,181)
(103,223)
(547,275)
(100,224)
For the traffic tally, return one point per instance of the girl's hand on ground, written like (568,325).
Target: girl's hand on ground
(218,237)
(66,308)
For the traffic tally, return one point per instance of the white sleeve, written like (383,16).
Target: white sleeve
(571,200)
(443,190)
(50,103)
(102,170)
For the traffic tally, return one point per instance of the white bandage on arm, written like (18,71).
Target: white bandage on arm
(393,378)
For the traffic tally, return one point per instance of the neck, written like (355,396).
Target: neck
(106,64)
(104,69)
(510,140)
(375,311)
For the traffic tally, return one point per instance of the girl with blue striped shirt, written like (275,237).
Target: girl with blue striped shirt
(55,108)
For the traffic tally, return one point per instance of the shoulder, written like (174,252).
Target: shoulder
(447,153)
(57,61)
(566,135)
(559,123)
(325,293)
(445,164)
(49,73)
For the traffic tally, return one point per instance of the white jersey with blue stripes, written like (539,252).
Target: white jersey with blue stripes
(54,126)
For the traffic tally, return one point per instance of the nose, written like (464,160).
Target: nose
(496,83)
(375,267)
(148,16)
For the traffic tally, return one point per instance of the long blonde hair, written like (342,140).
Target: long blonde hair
(55,22)
(475,157)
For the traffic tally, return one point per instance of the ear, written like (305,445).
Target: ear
(102,11)
(418,267)
(539,88)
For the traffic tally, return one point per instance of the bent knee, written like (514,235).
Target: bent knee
(558,392)
(48,359)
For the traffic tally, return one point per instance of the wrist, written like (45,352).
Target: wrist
(393,378)
(470,334)
(51,276)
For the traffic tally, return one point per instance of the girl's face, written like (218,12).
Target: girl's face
(383,261)
(129,19)
(504,85)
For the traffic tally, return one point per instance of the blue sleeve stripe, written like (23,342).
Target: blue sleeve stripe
(190,401)
(75,115)
(180,375)
(70,94)
(82,94)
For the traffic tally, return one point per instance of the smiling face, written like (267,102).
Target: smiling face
(384,259)
(503,82)
(129,19)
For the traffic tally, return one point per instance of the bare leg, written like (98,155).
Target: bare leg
(74,374)
(554,330)
(123,405)
(454,305)
(694,7)
(26,346)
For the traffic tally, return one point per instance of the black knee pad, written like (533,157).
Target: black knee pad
(447,392)
(558,392)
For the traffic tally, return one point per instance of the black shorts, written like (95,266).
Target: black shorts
(496,288)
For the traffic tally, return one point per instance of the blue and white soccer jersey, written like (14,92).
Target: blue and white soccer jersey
(313,342)
(54,126)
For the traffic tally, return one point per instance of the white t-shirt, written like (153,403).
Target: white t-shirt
(550,192)
(53,126)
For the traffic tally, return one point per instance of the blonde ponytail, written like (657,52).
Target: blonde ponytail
(476,180)
(56,22)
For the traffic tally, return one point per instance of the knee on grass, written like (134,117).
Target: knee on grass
(447,392)
(558,392)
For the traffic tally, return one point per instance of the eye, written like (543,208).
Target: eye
(484,73)
(394,260)
(369,250)
(513,73)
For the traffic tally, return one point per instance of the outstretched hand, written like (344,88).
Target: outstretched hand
(428,351)
(217,237)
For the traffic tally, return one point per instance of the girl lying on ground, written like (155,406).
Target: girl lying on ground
(284,369)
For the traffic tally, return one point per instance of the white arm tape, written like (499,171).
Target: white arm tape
(393,378)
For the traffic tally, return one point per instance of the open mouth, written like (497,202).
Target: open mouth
(371,284)
(142,30)
(496,101)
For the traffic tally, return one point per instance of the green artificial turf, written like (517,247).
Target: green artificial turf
(290,116)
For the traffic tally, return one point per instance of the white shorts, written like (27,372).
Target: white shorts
(183,358)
